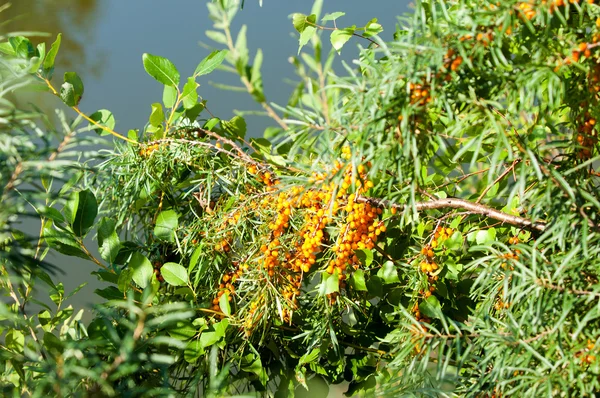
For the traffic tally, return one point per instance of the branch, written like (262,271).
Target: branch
(456,203)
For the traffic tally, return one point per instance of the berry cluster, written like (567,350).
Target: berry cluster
(586,137)
(146,150)
(428,265)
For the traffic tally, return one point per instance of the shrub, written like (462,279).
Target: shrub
(425,224)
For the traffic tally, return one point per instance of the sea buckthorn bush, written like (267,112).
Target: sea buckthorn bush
(424,223)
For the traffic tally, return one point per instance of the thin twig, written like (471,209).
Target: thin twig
(456,203)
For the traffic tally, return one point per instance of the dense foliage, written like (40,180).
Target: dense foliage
(425,224)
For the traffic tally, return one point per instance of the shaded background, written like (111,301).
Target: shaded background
(103,41)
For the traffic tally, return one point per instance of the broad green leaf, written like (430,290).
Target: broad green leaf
(375,286)
(340,37)
(87,210)
(125,278)
(194,111)
(358,280)
(189,95)
(105,118)
(109,243)
(235,128)
(48,65)
(157,116)
(73,80)
(333,16)
(169,96)
(67,94)
(22,46)
(332,282)
(142,269)
(161,69)
(213,334)
(211,123)
(109,293)
(182,330)
(166,224)
(485,236)
(365,256)
(7,49)
(430,307)
(224,304)
(63,242)
(193,351)
(388,273)
(372,28)
(306,26)
(211,62)
(455,241)
(14,340)
(174,274)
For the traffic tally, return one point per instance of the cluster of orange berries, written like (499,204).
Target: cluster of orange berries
(585,356)
(420,93)
(586,138)
(226,286)
(428,265)
(500,305)
(147,150)
(360,231)
(452,60)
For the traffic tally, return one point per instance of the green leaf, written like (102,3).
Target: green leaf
(224,304)
(431,307)
(372,28)
(340,37)
(305,25)
(157,116)
(22,46)
(375,286)
(174,274)
(169,96)
(142,269)
(211,62)
(189,95)
(365,256)
(72,97)
(124,280)
(161,69)
(166,224)
(485,236)
(105,118)
(455,241)
(331,282)
(67,94)
(14,340)
(87,210)
(235,128)
(7,49)
(211,123)
(213,334)
(109,242)
(182,330)
(193,351)
(388,273)
(109,293)
(358,280)
(333,16)
(48,65)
